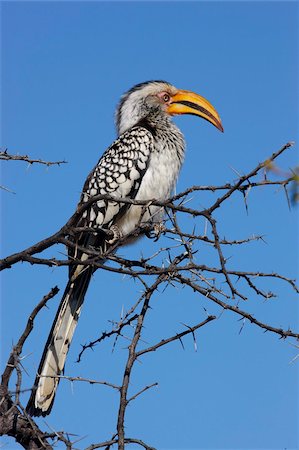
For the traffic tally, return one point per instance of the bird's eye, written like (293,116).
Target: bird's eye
(166,98)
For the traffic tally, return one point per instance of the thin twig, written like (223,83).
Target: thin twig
(17,349)
(7,157)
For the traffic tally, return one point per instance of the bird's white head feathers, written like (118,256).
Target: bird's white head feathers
(139,101)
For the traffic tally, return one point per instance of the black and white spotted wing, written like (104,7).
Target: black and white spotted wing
(119,172)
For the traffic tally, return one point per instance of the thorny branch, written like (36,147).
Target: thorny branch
(17,349)
(240,185)
(172,265)
(14,421)
(4,155)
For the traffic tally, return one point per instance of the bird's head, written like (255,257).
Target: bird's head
(162,98)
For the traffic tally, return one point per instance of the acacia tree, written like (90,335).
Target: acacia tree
(172,265)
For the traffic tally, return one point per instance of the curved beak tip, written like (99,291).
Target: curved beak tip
(220,127)
(187,102)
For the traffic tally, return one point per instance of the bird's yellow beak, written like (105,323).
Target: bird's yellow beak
(187,102)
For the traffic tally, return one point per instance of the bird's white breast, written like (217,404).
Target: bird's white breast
(157,183)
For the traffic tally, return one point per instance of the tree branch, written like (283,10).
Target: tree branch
(4,155)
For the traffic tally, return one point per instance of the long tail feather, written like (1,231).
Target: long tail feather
(58,343)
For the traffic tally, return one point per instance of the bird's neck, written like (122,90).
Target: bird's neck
(161,126)
(165,133)
(167,136)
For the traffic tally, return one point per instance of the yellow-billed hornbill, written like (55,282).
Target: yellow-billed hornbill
(143,164)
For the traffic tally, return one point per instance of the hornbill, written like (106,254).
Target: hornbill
(143,163)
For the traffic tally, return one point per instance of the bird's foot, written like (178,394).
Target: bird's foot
(158,229)
(117,234)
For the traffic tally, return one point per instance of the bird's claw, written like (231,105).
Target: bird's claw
(158,229)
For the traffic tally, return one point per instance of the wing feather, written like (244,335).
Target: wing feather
(119,173)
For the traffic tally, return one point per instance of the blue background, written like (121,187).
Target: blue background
(64,68)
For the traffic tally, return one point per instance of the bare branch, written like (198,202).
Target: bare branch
(175,337)
(174,264)
(206,293)
(146,388)
(17,349)
(251,174)
(4,155)
(84,380)
(116,331)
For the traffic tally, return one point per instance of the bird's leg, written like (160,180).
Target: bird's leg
(117,234)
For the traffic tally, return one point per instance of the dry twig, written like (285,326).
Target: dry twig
(173,265)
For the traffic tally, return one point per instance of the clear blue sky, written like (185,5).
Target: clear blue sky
(65,66)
